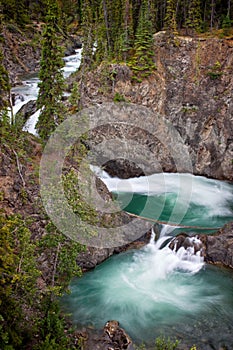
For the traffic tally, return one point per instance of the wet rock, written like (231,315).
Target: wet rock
(93,256)
(219,247)
(25,112)
(123,168)
(199,107)
(216,248)
(187,242)
(113,337)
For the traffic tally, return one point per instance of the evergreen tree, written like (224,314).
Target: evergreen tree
(102,35)
(88,26)
(127,31)
(226,25)
(109,27)
(18,276)
(5,87)
(170,18)
(142,61)
(194,15)
(52,84)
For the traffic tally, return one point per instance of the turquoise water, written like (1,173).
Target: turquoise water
(150,295)
(181,199)
(154,290)
(159,208)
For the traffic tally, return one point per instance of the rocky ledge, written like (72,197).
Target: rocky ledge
(112,337)
(216,249)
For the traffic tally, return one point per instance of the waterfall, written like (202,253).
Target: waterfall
(187,259)
(164,287)
(208,202)
(28,91)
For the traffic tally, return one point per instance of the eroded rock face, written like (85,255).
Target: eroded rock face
(193,244)
(216,248)
(219,247)
(192,87)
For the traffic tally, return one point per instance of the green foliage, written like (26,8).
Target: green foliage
(15,10)
(215,71)
(162,343)
(19,272)
(4,92)
(170,18)
(61,255)
(52,84)
(88,28)
(119,98)
(165,344)
(73,190)
(74,99)
(226,25)
(142,62)
(193,20)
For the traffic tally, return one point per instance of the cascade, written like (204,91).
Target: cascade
(162,288)
(28,91)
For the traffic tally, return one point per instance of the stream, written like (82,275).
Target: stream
(28,91)
(155,291)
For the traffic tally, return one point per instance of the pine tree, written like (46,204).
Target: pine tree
(142,61)
(52,84)
(88,26)
(194,15)
(4,87)
(170,18)
(5,100)
(18,276)
(127,31)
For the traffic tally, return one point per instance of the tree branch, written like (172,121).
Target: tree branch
(19,168)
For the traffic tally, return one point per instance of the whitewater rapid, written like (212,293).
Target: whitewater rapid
(29,89)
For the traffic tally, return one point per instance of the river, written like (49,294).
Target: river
(28,91)
(155,291)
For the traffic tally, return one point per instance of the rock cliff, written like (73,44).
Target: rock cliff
(191,87)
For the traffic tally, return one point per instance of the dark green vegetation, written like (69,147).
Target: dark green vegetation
(36,269)
(122,30)
(52,85)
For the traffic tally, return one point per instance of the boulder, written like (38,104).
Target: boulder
(25,112)
(187,242)
(113,337)
(219,247)
(123,168)
(216,248)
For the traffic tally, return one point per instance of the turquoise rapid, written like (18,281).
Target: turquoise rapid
(155,291)
(182,199)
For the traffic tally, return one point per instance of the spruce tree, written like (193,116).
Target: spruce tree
(170,18)
(5,87)
(52,83)
(88,26)
(194,15)
(142,61)
(127,31)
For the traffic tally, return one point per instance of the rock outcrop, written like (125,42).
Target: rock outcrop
(191,87)
(22,49)
(216,249)
(219,247)
(113,337)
